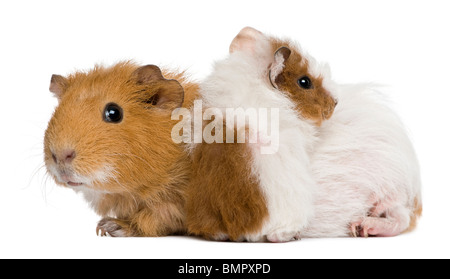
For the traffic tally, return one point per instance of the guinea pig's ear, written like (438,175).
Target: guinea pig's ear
(58,85)
(148,74)
(279,62)
(169,93)
(246,40)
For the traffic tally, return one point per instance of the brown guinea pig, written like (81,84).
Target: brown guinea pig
(110,139)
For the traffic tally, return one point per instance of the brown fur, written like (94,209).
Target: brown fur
(224,196)
(416,215)
(149,172)
(316,103)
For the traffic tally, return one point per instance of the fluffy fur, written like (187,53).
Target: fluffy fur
(284,178)
(131,173)
(346,172)
(224,200)
(364,165)
(366,170)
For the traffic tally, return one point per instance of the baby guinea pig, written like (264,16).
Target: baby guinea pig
(110,140)
(239,192)
(364,164)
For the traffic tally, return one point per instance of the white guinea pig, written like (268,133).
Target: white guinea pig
(364,165)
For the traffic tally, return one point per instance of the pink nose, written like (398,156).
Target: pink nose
(66,156)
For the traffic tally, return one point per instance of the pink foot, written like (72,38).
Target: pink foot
(283,237)
(376,226)
(387,217)
(356,230)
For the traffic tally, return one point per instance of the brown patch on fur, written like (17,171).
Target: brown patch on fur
(316,103)
(224,196)
(143,173)
(416,215)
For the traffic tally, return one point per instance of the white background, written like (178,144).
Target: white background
(402,44)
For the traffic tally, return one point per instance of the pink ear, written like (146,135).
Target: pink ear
(58,85)
(245,40)
(279,62)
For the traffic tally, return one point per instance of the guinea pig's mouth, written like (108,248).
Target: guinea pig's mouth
(68,176)
(69,179)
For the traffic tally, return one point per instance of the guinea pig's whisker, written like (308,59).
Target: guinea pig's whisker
(44,188)
(42,177)
(35,173)
(44,182)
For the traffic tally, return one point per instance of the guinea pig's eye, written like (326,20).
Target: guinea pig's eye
(305,82)
(113,113)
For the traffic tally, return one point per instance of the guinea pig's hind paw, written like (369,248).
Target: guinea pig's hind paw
(383,227)
(109,227)
(359,230)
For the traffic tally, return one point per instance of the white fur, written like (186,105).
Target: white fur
(285,177)
(363,156)
(322,179)
(91,195)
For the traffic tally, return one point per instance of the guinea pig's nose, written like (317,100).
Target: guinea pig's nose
(336,101)
(69,155)
(66,156)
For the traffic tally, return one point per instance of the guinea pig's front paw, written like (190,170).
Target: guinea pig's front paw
(280,237)
(112,227)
